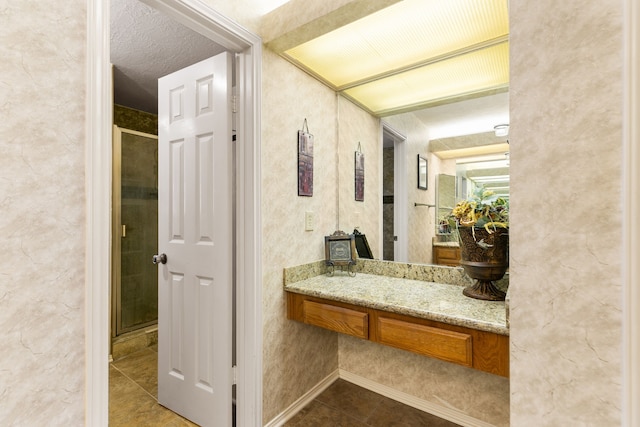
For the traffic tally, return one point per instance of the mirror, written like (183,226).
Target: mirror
(445,201)
(462,150)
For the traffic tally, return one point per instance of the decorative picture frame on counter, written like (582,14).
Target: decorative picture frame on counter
(423,173)
(340,251)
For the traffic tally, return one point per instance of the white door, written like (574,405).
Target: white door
(195,233)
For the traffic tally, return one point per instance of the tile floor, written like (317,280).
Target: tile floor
(344,404)
(133,392)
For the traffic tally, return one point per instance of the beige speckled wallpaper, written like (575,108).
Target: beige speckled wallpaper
(42,220)
(358,127)
(477,394)
(140,121)
(295,357)
(566,233)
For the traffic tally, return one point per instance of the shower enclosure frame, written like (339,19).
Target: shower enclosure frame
(117,235)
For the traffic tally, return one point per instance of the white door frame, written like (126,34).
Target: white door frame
(99,113)
(400,195)
(631,206)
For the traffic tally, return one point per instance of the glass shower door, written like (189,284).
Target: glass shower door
(135,229)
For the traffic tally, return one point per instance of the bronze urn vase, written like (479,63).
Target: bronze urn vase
(485,258)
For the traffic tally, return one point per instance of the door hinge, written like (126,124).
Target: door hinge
(234,104)
(234,373)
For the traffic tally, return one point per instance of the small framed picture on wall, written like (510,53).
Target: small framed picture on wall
(422,173)
(305,163)
(359,176)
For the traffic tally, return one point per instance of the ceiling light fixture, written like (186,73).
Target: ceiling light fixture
(501,130)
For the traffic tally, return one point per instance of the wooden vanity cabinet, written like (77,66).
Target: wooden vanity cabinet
(485,351)
(446,255)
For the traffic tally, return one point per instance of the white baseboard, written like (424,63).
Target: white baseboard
(399,396)
(413,401)
(303,401)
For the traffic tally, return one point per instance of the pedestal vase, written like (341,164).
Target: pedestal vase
(485,258)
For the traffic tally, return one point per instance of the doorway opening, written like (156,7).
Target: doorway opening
(247,50)
(395,195)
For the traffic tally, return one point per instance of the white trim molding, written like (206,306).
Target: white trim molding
(631,207)
(98,209)
(413,401)
(303,401)
(247,48)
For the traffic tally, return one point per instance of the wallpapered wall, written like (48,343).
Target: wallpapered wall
(295,357)
(140,121)
(566,162)
(42,220)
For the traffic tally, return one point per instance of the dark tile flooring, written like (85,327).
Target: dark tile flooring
(133,401)
(344,404)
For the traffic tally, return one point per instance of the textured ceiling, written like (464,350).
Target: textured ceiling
(146,45)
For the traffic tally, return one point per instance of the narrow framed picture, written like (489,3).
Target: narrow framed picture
(422,173)
(305,164)
(359,176)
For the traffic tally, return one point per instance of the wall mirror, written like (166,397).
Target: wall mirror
(463,151)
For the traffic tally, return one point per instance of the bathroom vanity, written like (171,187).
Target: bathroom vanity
(425,317)
(446,253)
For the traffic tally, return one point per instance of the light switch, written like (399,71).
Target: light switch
(308,221)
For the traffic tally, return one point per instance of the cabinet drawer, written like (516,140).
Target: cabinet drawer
(448,253)
(429,341)
(446,256)
(339,319)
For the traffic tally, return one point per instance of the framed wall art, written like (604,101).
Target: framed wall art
(305,161)
(422,173)
(359,175)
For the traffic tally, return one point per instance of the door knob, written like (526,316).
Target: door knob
(160,259)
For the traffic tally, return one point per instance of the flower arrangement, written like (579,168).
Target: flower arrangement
(483,209)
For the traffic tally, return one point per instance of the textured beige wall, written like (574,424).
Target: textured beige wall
(566,233)
(295,356)
(42,216)
(478,394)
(358,126)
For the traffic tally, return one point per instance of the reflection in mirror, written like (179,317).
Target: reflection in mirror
(459,141)
(445,200)
(491,172)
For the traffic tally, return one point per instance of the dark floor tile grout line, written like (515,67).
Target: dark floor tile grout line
(138,385)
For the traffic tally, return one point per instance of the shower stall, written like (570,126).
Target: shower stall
(134,231)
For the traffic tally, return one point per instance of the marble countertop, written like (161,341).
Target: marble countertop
(427,300)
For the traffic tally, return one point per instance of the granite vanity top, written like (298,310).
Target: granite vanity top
(447,244)
(428,300)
